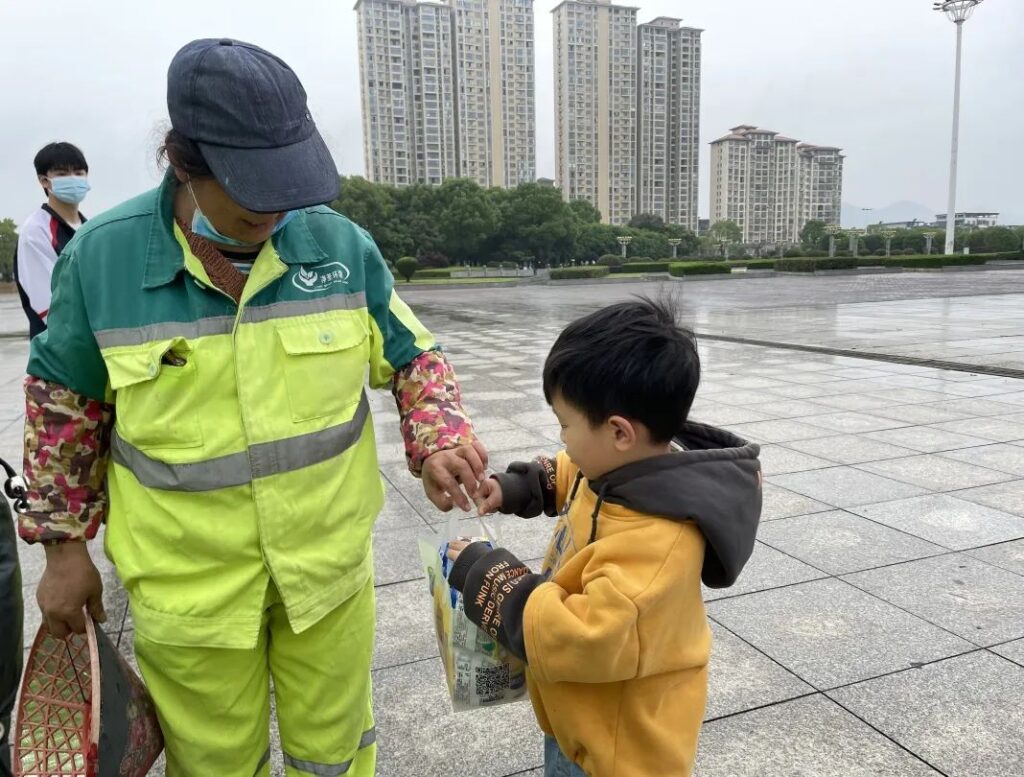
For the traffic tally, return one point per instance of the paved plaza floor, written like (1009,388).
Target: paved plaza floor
(878,628)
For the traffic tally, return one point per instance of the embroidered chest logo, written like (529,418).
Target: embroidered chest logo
(313,280)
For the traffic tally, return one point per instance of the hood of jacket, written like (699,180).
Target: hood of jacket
(715,481)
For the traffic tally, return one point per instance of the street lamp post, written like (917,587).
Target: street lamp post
(958,11)
(855,240)
(624,240)
(675,242)
(888,234)
(834,231)
(928,238)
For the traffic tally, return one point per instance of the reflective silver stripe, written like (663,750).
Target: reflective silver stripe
(204,327)
(329,770)
(236,469)
(304,307)
(263,762)
(223,325)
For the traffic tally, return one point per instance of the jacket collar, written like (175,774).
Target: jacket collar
(295,244)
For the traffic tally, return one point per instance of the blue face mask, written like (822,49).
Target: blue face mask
(203,227)
(70,188)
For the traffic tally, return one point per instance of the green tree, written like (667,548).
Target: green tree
(992,240)
(407,267)
(812,233)
(690,245)
(584,212)
(594,241)
(651,221)
(372,206)
(725,232)
(8,242)
(466,218)
(535,221)
(416,210)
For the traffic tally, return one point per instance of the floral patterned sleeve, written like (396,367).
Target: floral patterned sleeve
(430,405)
(67,442)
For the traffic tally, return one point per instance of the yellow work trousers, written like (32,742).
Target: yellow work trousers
(214,704)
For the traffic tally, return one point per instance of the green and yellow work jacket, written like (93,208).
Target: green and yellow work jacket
(242,448)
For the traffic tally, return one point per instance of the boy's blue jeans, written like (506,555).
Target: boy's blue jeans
(556,764)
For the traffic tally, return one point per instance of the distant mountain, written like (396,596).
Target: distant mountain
(856,216)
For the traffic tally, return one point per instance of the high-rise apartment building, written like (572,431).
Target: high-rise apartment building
(627,111)
(771,185)
(668,121)
(448,90)
(596,105)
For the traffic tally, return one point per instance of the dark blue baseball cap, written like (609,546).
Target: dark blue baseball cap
(246,110)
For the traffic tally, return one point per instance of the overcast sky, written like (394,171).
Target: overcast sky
(874,77)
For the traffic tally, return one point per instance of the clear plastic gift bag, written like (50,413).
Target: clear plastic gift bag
(480,672)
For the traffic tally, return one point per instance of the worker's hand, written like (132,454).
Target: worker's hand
(69,583)
(488,497)
(453,477)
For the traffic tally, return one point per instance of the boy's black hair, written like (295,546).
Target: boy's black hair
(631,359)
(60,156)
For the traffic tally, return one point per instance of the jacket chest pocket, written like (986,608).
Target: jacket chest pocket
(324,366)
(156,400)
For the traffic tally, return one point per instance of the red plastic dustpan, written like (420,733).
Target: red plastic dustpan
(83,711)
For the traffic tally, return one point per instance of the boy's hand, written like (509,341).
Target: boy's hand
(488,497)
(455,547)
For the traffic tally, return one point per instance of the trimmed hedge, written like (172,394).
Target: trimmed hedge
(639,260)
(680,269)
(435,272)
(575,273)
(637,267)
(755,264)
(812,265)
(610,260)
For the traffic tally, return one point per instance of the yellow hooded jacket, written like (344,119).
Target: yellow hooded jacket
(614,630)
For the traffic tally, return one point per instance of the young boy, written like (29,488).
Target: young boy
(614,631)
(62,172)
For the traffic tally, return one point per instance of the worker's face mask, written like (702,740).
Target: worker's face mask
(70,188)
(203,227)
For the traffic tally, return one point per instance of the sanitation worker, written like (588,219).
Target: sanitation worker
(201,388)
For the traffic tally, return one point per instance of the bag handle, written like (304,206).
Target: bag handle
(15,488)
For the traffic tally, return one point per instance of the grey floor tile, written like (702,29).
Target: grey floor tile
(777,431)
(998,429)
(927,439)
(919,414)
(977,601)
(1007,555)
(397,512)
(935,472)
(787,408)
(396,555)
(849,449)
(405,624)
(727,415)
(781,460)
(1011,650)
(852,422)
(1001,457)
(839,542)
(811,737)
(418,735)
(1008,496)
(741,678)
(846,487)
(767,568)
(779,502)
(947,520)
(966,717)
(830,633)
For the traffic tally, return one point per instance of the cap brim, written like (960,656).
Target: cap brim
(270,180)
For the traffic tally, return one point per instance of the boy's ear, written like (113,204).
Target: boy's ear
(624,431)
(44,182)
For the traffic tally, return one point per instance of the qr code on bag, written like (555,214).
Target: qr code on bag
(492,682)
